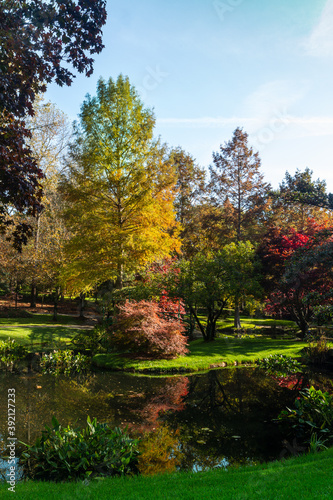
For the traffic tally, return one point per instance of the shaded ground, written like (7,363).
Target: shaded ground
(22,308)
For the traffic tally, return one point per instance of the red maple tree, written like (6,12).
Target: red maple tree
(150,329)
(295,277)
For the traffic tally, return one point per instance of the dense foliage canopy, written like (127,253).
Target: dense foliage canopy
(39,42)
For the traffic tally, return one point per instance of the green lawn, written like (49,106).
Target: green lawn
(35,332)
(47,337)
(41,319)
(309,477)
(205,355)
(227,324)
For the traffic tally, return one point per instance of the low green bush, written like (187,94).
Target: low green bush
(94,340)
(11,353)
(313,413)
(71,454)
(64,362)
(279,364)
(317,351)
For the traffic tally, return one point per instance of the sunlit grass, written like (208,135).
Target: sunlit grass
(56,337)
(308,477)
(205,355)
(250,323)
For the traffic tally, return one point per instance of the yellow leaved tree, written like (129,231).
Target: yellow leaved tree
(119,188)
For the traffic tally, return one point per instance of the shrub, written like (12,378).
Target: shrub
(316,352)
(313,413)
(64,362)
(91,340)
(68,454)
(147,329)
(279,364)
(323,314)
(11,353)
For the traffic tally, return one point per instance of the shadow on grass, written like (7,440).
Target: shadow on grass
(40,337)
(41,319)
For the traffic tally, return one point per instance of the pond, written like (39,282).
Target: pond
(216,419)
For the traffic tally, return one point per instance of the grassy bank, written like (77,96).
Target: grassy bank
(205,355)
(307,477)
(39,330)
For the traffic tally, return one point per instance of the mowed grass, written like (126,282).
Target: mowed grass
(227,324)
(205,355)
(308,477)
(34,332)
(40,336)
(41,319)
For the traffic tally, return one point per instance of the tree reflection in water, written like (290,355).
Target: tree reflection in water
(220,417)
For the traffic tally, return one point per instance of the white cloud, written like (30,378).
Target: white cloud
(312,126)
(301,125)
(272,101)
(320,42)
(205,121)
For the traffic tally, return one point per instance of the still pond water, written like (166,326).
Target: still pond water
(220,418)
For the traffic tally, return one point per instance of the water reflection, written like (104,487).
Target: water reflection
(219,418)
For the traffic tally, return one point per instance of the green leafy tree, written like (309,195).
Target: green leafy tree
(242,274)
(202,283)
(299,198)
(119,189)
(208,281)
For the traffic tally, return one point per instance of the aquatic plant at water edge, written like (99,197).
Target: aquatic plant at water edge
(10,353)
(312,413)
(64,362)
(63,453)
(279,364)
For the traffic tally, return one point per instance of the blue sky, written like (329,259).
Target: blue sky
(209,66)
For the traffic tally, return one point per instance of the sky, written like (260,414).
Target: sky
(207,67)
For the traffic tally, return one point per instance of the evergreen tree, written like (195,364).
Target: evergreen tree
(238,186)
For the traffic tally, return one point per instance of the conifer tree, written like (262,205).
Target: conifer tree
(238,186)
(119,188)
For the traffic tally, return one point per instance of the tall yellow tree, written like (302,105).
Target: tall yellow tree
(119,188)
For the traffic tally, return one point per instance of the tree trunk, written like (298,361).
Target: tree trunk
(55,305)
(304,326)
(119,281)
(239,211)
(81,306)
(33,294)
(237,323)
(199,323)
(211,327)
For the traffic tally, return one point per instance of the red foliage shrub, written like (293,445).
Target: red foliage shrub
(150,329)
